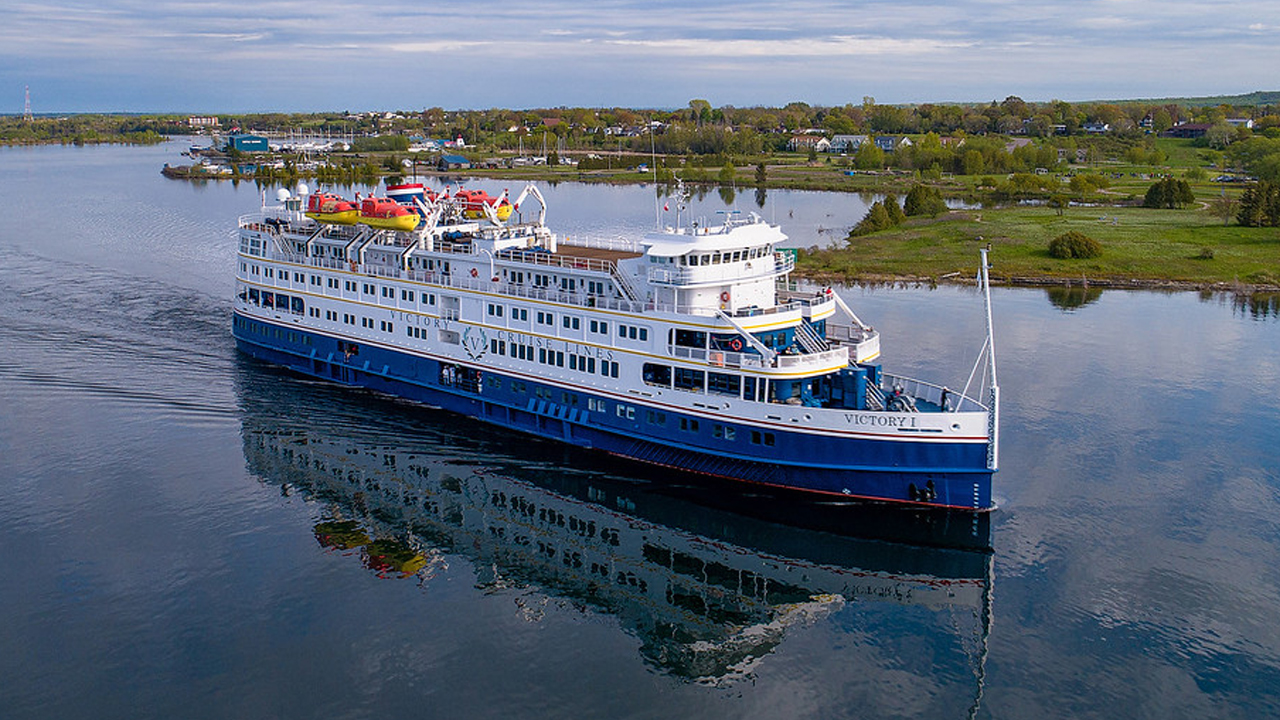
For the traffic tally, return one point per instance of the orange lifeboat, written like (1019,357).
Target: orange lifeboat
(386,214)
(329,208)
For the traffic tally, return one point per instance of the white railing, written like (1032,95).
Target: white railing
(538,257)
(837,356)
(849,334)
(929,392)
(618,244)
(720,358)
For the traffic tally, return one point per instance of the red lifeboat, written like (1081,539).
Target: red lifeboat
(387,214)
(473,202)
(330,208)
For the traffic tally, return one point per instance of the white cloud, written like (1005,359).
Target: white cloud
(619,51)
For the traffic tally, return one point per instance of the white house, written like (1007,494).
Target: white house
(848,143)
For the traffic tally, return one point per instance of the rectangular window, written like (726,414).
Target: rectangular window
(691,338)
(723,383)
(689,379)
(688,424)
(655,374)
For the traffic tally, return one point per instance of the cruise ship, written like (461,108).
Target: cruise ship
(685,347)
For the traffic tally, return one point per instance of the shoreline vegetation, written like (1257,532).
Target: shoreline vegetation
(1025,173)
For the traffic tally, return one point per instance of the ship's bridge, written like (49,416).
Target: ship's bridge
(726,267)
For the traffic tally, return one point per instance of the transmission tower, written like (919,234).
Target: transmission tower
(26,108)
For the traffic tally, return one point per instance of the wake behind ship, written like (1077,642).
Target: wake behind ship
(683,348)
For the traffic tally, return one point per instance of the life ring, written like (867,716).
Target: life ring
(724,296)
(475,272)
(735,344)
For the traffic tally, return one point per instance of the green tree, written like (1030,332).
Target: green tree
(727,173)
(973,163)
(876,219)
(1260,205)
(1074,245)
(891,206)
(869,157)
(924,200)
(1170,192)
(1225,207)
(760,174)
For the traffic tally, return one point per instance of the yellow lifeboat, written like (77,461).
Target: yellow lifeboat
(332,209)
(386,214)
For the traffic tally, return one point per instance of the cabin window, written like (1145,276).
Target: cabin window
(689,379)
(691,338)
(723,432)
(723,383)
(655,374)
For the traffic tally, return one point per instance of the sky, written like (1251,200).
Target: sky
(212,56)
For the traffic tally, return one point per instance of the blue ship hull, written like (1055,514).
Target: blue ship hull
(936,474)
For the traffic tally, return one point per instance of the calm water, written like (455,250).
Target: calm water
(186,533)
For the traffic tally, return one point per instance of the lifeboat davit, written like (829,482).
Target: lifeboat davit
(473,202)
(329,208)
(386,214)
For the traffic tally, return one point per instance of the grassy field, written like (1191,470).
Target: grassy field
(1140,247)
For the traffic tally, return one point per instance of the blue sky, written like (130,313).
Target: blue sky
(291,55)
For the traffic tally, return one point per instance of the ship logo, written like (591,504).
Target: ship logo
(475,342)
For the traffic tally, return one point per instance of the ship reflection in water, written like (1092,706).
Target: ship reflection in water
(709,578)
